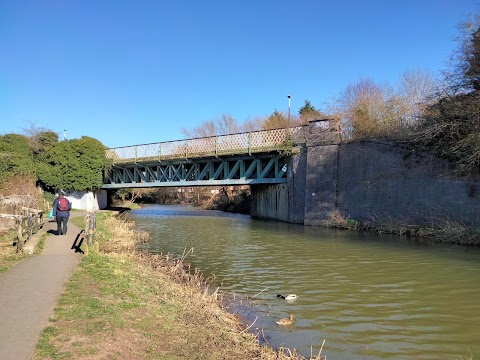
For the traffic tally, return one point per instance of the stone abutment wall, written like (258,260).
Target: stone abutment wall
(367,181)
(379,181)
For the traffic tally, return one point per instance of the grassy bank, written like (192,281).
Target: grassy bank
(123,304)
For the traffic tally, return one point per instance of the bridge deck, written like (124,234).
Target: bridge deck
(233,144)
(244,158)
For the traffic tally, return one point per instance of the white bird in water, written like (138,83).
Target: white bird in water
(288,297)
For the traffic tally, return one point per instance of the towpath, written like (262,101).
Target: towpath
(30,290)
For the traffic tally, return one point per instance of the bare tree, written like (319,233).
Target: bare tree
(364,107)
(205,129)
(451,125)
(40,138)
(225,124)
(369,109)
(462,74)
(416,91)
(253,124)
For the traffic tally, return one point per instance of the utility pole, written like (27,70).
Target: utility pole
(288,120)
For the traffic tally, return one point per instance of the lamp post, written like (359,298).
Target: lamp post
(288,119)
(64,133)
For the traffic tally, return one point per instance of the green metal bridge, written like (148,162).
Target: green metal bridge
(237,159)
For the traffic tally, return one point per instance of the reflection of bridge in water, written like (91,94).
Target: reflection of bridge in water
(236,159)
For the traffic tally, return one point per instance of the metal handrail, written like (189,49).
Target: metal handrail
(238,143)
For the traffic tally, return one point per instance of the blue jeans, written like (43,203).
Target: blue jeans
(62,225)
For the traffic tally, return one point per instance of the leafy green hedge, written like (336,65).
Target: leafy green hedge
(76,164)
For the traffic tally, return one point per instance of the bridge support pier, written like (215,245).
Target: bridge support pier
(285,202)
(310,195)
(270,201)
(308,198)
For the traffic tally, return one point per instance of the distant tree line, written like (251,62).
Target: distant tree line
(227,124)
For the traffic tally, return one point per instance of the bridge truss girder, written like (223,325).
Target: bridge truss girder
(266,169)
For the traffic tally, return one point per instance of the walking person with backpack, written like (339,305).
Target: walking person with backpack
(61,212)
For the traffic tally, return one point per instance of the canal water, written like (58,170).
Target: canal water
(368,296)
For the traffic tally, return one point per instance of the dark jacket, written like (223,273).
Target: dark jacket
(57,212)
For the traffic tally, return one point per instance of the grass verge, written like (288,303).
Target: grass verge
(40,244)
(8,253)
(124,304)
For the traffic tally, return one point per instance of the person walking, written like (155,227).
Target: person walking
(61,212)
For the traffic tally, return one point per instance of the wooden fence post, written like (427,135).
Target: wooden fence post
(20,235)
(30,226)
(94,226)
(27,223)
(90,227)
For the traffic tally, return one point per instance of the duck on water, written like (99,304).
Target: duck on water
(288,297)
(286,321)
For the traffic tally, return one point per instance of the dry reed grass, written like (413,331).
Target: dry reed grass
(443,230)
(19,191)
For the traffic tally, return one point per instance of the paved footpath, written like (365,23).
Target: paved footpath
(30,290)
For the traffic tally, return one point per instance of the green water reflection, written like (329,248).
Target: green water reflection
(368,296)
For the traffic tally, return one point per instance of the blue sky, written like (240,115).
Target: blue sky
(134,72)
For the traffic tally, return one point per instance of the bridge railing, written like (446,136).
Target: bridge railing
(241,143)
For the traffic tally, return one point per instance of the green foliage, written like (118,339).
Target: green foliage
(15,143)
(308,112)
(307,108)
(16,156)
(42,142)
(76,164)
(49,197)
(286,150)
